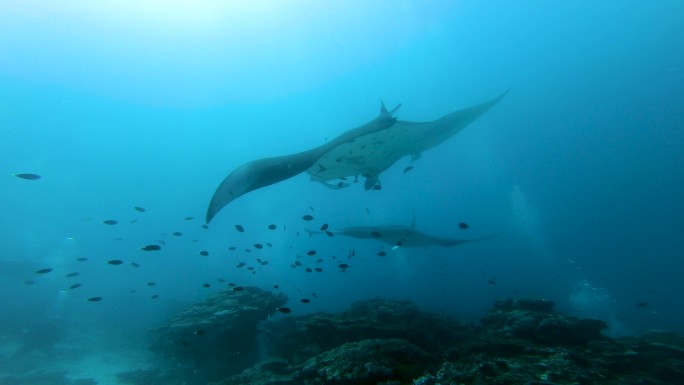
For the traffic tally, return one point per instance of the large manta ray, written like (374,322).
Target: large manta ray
(367,150)
(397,235)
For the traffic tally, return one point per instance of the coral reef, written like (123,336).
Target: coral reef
(217,337)
(393,342)
(299,338)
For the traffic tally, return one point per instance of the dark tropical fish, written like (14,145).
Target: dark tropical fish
(258,246)
(248,251)
(311,208)
(206,285)
(155,296)
(275,286)
(272,227)
(75,286)
(407,169)
(28,176)
(308,270)
(232,248)
(238,288)
(319,260)
(81,259)
(189,218)
(135,264)
(328,233)
(298,263)
(151,248)
(492,282)
(205,226)
(161,242)
(324,227)
(311,253)
(314,295)
(284,310)
(177,233)
(44,271)
(151,284)
(250,268)
(308,217)
(343,266)
(269,244)
(74,274)
(367,211)
(204,253)
(463,226)
(240,228)
(110,222)
(94,299)
(221,280)
(304,300)
(231,284)
(199,332)
(376,234)
(139,209)
(115,262)
(264,263)
(377,187)
(642,304)
(134,221)
(29,282)
(318,270)
(381,253)
(241,264)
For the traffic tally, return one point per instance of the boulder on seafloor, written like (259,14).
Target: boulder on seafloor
(218,335)
(535,320)
(300,338)
(367,362)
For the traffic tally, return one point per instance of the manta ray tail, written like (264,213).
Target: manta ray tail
(312,232)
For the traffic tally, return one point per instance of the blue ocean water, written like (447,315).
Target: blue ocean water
(118,104)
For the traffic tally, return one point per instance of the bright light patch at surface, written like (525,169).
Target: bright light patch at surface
(238,50)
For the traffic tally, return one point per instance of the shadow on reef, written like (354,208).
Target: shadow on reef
(392,342)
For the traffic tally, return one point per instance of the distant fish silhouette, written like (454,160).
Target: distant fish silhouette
(28,176)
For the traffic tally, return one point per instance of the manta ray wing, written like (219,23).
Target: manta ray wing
(263,172)
(372,154)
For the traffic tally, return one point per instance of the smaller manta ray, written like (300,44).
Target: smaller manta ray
(398,235)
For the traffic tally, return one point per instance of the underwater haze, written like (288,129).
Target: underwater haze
(132,113)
